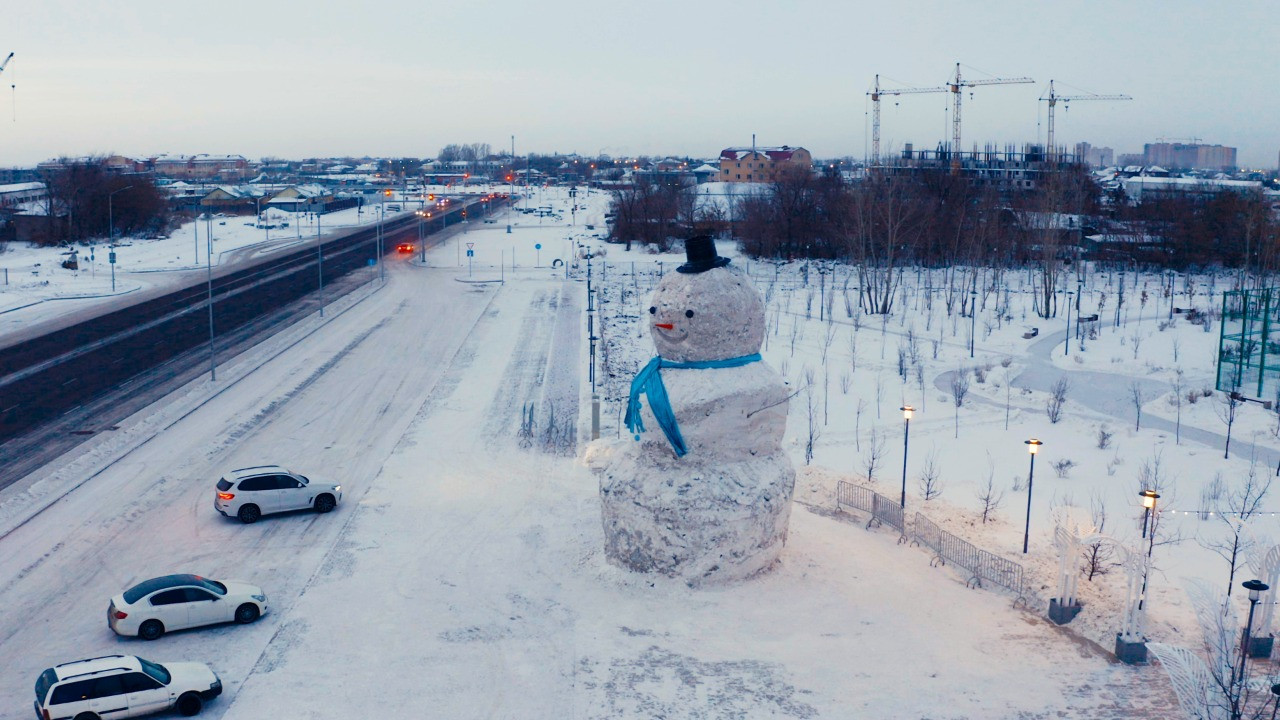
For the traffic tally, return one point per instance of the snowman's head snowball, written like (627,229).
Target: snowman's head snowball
(711,315)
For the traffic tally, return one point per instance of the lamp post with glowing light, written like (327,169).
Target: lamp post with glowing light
(1033,447)
(1149,498)
(907,413)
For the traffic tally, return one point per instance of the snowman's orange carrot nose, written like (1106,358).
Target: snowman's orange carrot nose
(665,326)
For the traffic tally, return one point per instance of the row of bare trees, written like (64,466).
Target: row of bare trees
(883,222)
(87,200)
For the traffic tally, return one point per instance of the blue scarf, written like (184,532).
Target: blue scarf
(649,382)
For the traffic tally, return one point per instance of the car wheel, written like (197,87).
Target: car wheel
(151,629)
(190,704)
(246,613)
(249,514)
(325,503)
(86,716)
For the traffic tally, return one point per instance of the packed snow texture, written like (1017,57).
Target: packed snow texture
(720,512)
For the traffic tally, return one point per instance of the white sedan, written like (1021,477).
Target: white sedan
(174,602)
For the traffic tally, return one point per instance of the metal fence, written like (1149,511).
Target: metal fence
(948,549)
(882,509)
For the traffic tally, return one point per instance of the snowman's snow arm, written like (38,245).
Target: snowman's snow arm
(775,404)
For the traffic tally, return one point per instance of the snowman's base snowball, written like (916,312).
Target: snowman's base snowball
(701,522)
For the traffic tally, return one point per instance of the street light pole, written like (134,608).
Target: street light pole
(111,232)
(973,315)
(907,412)
(1255,588)
(1066,345)
(1033,447)
(213,370)
(319,267)
(1149,498)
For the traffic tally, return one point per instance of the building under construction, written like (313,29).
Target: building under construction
(1008,169)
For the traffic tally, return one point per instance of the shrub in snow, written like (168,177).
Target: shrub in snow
(1063,467)
(1104,439)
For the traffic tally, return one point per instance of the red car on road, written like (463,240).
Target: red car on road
(404,247)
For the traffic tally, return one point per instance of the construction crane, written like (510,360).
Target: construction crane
(875,94)
(12,87)
(1053,99)
(955,87)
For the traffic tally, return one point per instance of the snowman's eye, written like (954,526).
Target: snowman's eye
(688,313)
(653,311)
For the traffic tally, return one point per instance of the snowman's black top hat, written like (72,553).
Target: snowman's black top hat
(701,252)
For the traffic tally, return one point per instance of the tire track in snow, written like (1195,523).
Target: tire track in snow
(525,371)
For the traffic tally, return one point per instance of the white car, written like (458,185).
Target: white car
(249,493)
(175,602)
(123,686)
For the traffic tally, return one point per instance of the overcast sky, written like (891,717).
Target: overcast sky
(404,78)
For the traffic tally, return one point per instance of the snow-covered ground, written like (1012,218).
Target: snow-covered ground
(463,575)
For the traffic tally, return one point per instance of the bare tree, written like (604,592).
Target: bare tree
(1098,556)
(989,496)
(1177,402)
(930,480)
(959,389)
(1137,397)
(1057,397)
(1239,504)
(1226,411)
(874,454)
(811,414)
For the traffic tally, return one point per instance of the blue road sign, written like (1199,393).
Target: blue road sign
(372,262)
(471,253)
(113,256)
(537,246)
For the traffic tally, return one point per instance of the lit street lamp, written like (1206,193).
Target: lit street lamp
(907,413)
(1149,498)
(1033,447)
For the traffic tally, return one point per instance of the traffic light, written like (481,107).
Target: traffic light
(387,192)
(431,196)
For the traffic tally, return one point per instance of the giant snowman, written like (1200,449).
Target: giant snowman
(702,491)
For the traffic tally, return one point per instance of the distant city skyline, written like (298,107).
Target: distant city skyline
(660,77)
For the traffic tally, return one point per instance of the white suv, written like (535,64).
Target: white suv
(249,493)
(123,686)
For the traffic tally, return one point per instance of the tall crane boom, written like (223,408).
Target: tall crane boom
(875,111)
(1053,99)
(956,91)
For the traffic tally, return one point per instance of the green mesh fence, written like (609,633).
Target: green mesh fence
(1249,344)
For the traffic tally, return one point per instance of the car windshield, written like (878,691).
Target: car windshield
(155,670)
